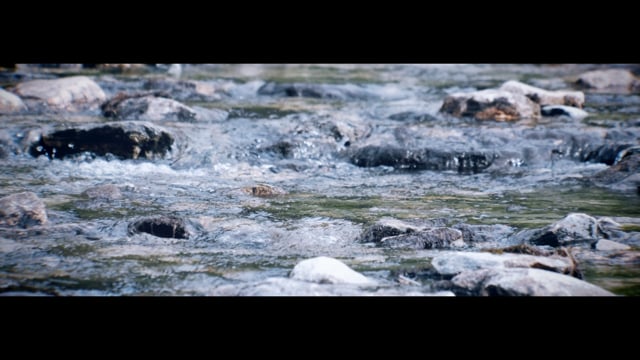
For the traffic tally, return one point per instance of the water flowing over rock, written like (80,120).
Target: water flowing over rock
(23,209)
(434,238)
(623,175)
(75,93)
(421,159)
(450,264)
(619,79)
(161,226)
(103,192)
(328,270)
(522,282)
(9,103)
(386,227)
(264,190)
(125,140)
(185,90)
(320,91)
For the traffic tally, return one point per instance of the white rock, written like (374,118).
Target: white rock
(10,103)
(457,262)
(324,269)
(607,79)
(73,93)
(563,110)
(608,245)
(545,97)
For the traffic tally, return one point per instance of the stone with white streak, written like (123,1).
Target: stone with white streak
(324,269)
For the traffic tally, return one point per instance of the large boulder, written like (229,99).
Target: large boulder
(574,228)
(449,264)
(23,209)
(491,104)
(545,97)
(75,93)
(387,227)
(125,140)
(421,159)
(324,269)
(612,79)
(10,103)
(522,282)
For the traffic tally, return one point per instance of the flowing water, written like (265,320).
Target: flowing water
(241,241)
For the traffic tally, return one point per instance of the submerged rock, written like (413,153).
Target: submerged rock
(613,79)
(264,190)
(75,93)
(160,226)
(103,192)
(421,159)
(324,269)
(491,104)
(545,97)
(434,238)
(450,264)
(320,91)
(125,140)
(9,103)
(23,209)
(522,282)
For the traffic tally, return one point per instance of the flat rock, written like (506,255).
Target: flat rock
(74,93)
(608,245)
(522,282)
(571,112)
(23,209)
(125,140)
(491,104)
(609,79)
(434,238)
(324,269)
(545,97)
(103,192)
(574,228)
(449,264)
(10,103)
(160,226)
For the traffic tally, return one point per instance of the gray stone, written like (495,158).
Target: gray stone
(75,93)
(449,264)
(321,91)
(10,103)
(324,269)
(434,238)
(491,104)
(574,228)
(608,79)
(23,209)
(545,97)
(185,90)
(147,107)
(103,192)
(125,140)
(522,282)
(608,245)
(386,227)
(571,112)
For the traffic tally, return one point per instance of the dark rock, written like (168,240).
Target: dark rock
(160,226)
(264,190)
(184,90)
(483,233)
(619,79)
(385,228)
(146,106)
(491,104)
(434,238)
(9,103)
(589,149)
(421,159)
(319,91)
(125,140)
(22,209)
(103,192)
(522,282)
(75,93)
(571,112)
(545,97)
(624,174)
(453,263)
(413,116)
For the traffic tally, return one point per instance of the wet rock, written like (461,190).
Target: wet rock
(319,91)
(450,264)
(608,245)
(385,228)
(574,228)
(413,117)
(264,190)
(75,93)
(591,149)
(125,140)
(571,112)
(9,103)
(324,269)
(23,209)
(146,106)
(545,97)
(522,282)
(434,238)
(615,79)
(491,104)
(421,159)
(103,192)
(484,233)
(624,175)
(160,226)
(184,90)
